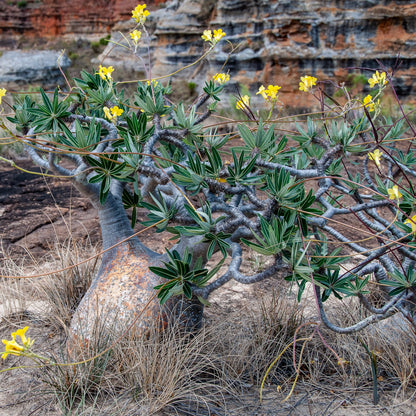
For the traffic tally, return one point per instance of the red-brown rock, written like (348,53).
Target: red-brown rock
(49,18)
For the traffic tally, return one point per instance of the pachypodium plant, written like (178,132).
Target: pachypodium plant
(332,204)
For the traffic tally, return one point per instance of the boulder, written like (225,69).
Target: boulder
(18,67)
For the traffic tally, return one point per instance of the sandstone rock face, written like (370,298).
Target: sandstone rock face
(42,67)
(34,18)
(281,40)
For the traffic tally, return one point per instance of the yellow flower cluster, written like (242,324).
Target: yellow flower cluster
(376,157)
(2,93)
(135,36)
(306,83)
(213,37)
(12,347)
(269,93)
(394,192)
(221,78)
(378,79)
(112,113)
(243,103)
(105,72)
(369,103)
(140,14)
(412,223)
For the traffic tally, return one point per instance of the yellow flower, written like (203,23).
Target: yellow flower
(218,34)
(107,113)
(243,103)
(394,192)
(105,72)
(112,113)
(154,83)
(306,83)
(262,91)
(272,91)
(369,103)
(136,35)
(378,79)
(140,14)
(213,38)
(207,36)
(376,157)
(221,78)
(115,111)
(22,334)
(412,223)
(341,362)
(12,347)
(269,93)
(2,93)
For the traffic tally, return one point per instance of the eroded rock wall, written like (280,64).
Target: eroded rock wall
(281,40)
(285,39)
(47,18)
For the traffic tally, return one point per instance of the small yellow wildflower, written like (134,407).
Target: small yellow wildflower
(272,91)
(221,78)
(213,38)
(306,83)
(115,111)
(376,157)
(112,113)
(218,34)
(262,92)
(2,93)
(341,362)
(243,103)
(269,93)
(207,36)
(105,72)
(378,79)
(107,113)
(12,347)
(22,334)
(394,192)
(136,35)
(369,103)
(412,223)
(154,83)
(140,14)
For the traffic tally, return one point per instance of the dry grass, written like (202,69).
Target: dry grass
(64,290)
(216,371)
(164,371)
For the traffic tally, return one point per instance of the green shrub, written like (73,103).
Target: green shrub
(21,4)
(330,201)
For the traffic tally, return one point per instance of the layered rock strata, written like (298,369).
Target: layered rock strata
(278,40)
(43,67)
(48,18)
(281,40)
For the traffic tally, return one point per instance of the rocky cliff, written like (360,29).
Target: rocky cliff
(49,18)
(281,40)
